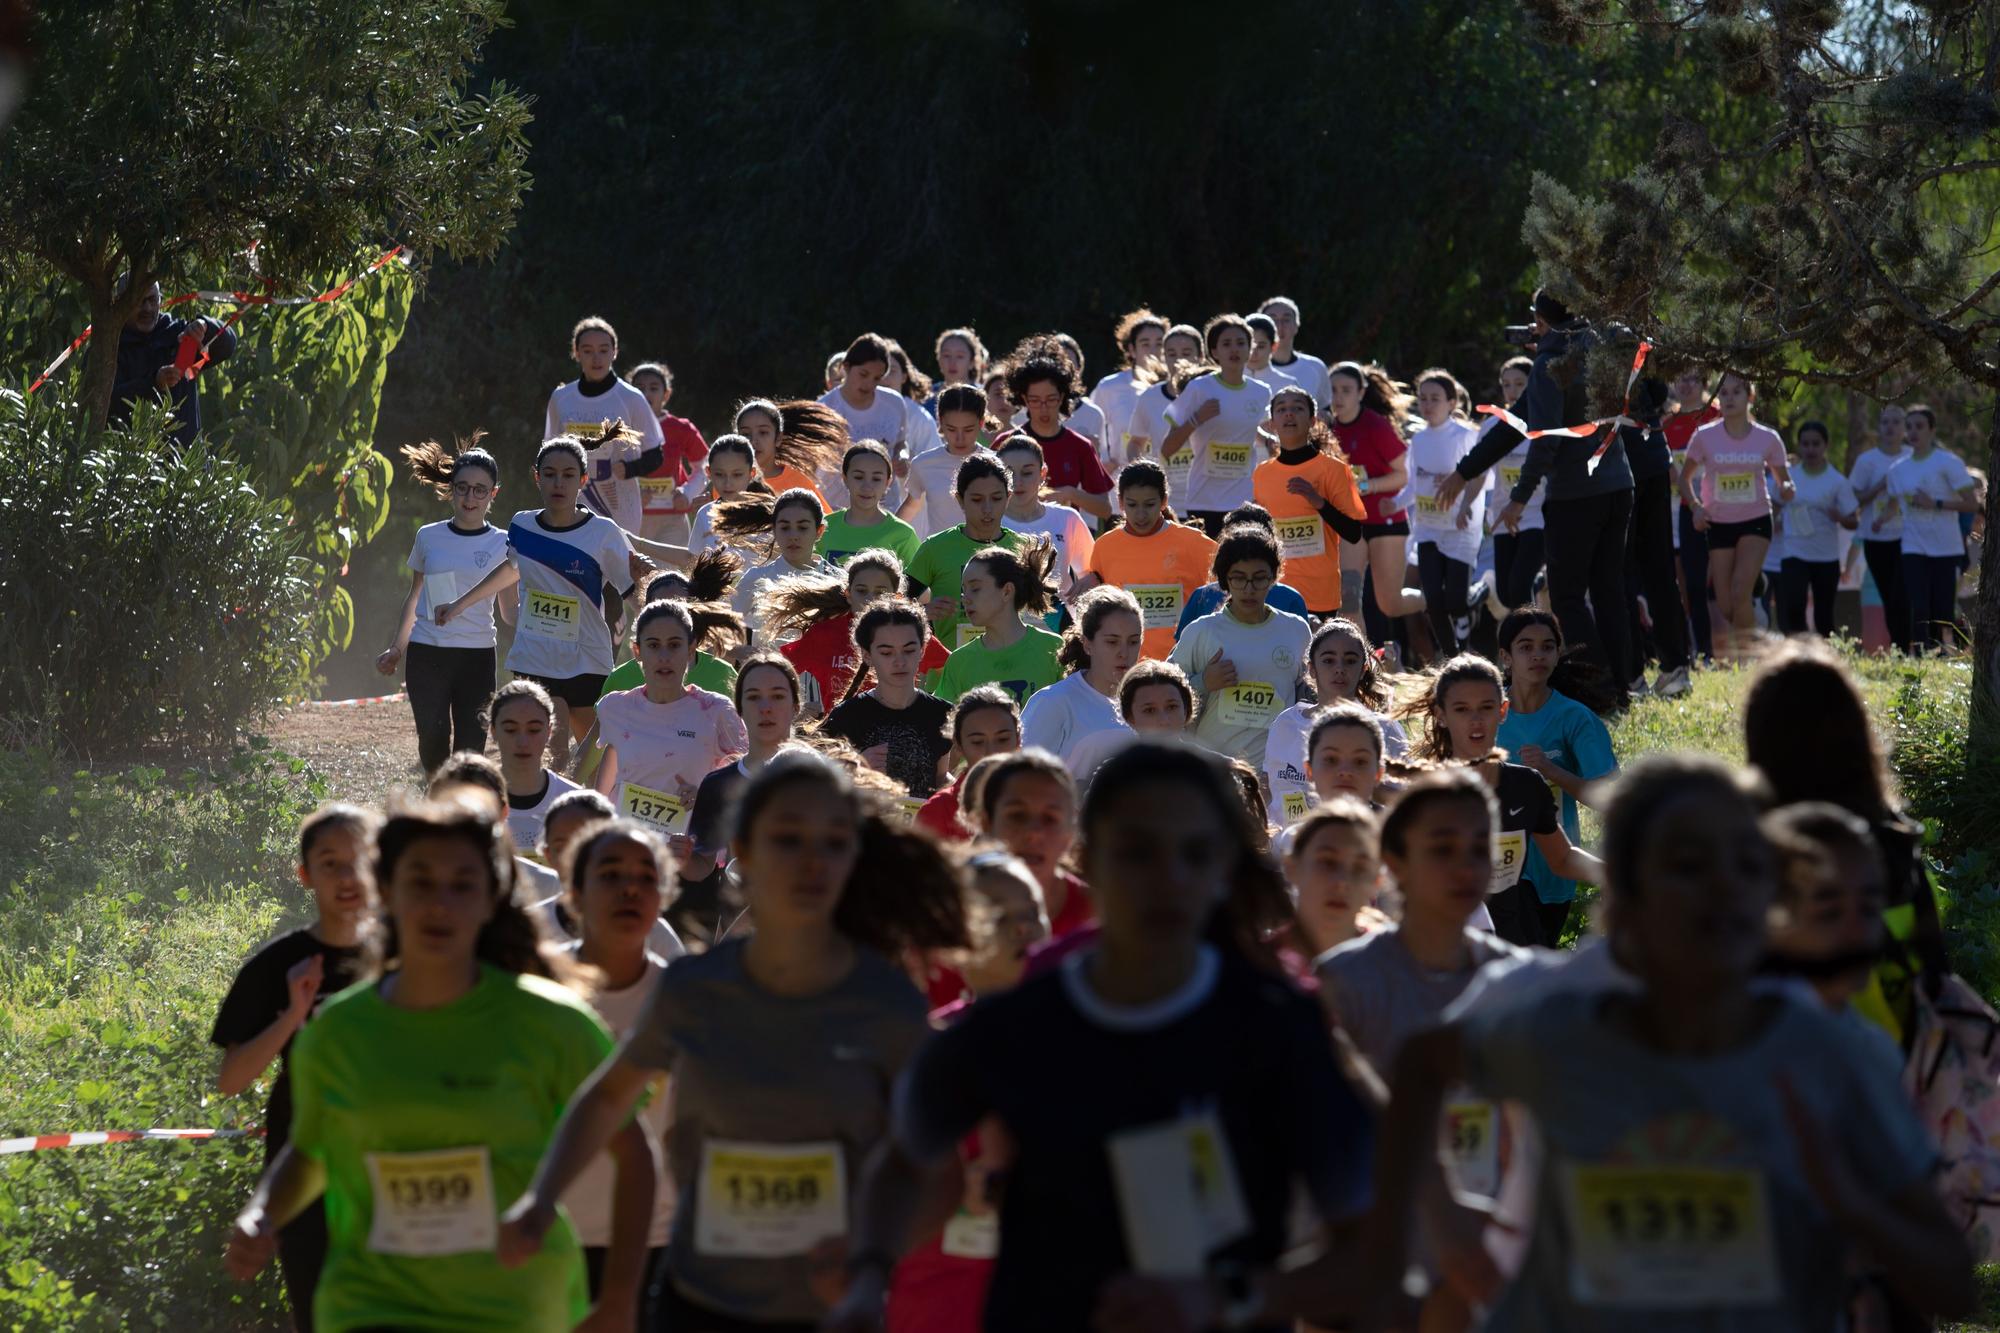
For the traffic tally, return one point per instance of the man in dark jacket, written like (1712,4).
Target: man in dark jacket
(1587,511)
(152,363)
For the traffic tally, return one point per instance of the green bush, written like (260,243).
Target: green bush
(149,594)
(131,900)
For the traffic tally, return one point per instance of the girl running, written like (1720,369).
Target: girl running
(1139,334)
(767,699)
(1517,555)
(1309,491)
(615,878)
(1097,653)
(1287,362)
(897,728)
(1160,562)
(1462,709)
(1027,802)
(782,1047)
(279,989)
(1448,537)
(982,487)
(1345,756)
(423,1099)
(1042,379)
(666,487)
(662,739)
(1930,488)
(1344,670)
(1823,505)
(1367,407)
(1164,1090)
(1763,1140)
(932,503)
(1552,727)
(1333,865)
(522,716)
(1154,700)
(448,670)
(867,474)
(568,818)
(581,408)
(798,445)
(1180,360)
(813,618)
(985,721)
(1247,657)
(906,379)
(1217,418)
(961,358)
(732,471)
(1731,456)
(873,411)
(1028,515)
(791,523)
(1002,594)
(1881,531)
(704,589)
(571,565)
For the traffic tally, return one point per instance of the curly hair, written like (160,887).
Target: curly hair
(1041,360)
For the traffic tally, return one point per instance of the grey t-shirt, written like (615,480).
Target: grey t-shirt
(1605,1103)
(763,1071)
(1380,995)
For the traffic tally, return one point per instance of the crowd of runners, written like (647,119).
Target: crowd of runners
(968,853)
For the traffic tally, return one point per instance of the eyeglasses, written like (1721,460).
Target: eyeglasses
(1239,582)
(470,492)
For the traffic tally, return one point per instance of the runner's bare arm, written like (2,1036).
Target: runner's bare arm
(680,557)
(497,581)
(293,1182)
(393,655)
(606,781)
(1567,859)
(604,1103)
(631,1221)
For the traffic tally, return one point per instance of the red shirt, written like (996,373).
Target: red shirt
(1680,427)
(940,814)
(683,448)
(826,652)
(1373,445)
(1070,459)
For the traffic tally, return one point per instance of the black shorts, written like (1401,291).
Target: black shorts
(576,691)
(1724,536)
(1399,528)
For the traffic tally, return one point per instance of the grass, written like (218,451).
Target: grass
(132,897)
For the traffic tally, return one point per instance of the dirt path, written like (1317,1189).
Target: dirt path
(365,752)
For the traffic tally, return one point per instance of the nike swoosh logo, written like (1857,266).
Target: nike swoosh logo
(1512,811)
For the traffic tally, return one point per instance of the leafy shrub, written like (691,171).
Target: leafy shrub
(131,900)
(149,594)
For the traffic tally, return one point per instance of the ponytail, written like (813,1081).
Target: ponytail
(1379,393)
(1030,572)
(1434,744)
(437,467)
(1090,611)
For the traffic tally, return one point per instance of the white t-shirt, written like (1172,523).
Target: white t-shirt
(933,479)
(452,562)
(1506,475)
(524,822)
(1064,527)
(665,748)
(1435,451)
(572,412)
(560,630)
(1060,716)
(1115,396)
(588,1201)
(1149,423)
(1225,447)
(1267,656)
(1867,473)
(744,600)
(1812,519)
(1087,421)
(1917,481)
(885,419)
(1309,373)
(1285,759)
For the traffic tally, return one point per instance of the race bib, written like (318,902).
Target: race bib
(1735,487)
(907,808)
(1510,855)
(548,615)
(659,494)
(432,1203)
(1229,462)
(1178,1194)
(1249,704)
(972,1236)
(1176,469)
(583,430)
(769,1200)
(1159,603)
(967,632)
(1430,507)
(658,809)
(1669,1237)
(1299,537)
(1510,477)
(1296,803)
(441,588)
(1472,1140)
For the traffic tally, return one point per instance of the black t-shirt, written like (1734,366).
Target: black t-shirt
(260,994)
(712,799)
(1526,806)
(915,735)
(1068,1079)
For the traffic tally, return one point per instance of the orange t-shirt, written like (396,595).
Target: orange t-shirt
(788,478)
(1310,548)
(1160,570)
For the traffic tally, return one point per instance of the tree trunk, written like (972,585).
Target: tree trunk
(1984,723)
(109,313)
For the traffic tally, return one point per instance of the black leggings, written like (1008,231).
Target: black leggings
(675,1313)
(1885,566)
(449,689)
(1517,558)
(1931,584)
(301,1256)
(1694,575)
(1798,577)
(1445,581)
(1649,564)
(1586,550)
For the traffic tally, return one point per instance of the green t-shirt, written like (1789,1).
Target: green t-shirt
(940,565)
(449,1110)
(706,673)
(1024,666)
(842,539)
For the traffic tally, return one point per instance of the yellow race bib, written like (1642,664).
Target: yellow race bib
(1248,704)
(1472,1137)
(1669,1237)
(432,1203)
(1735,487)
(1510,477)
(549,615)
(1159,603)
(659,809)
(1229,462)
(1301,537)
(1296,803)
(1176,469)
(1510,855)
(967,632)
(769,1200)
(1430,507)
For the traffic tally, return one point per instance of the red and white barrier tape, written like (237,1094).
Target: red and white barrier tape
(395,698)
(243,301)
(1587,430)
(38,1142)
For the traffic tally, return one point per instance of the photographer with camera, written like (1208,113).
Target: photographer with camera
(1588,512)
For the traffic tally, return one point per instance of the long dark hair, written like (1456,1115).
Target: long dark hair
(1574,675)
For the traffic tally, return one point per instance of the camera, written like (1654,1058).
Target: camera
(1519,335)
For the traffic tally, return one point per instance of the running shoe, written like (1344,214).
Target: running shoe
(1672,684)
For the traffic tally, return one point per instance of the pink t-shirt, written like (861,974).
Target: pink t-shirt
(667,747)
(1733,486)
